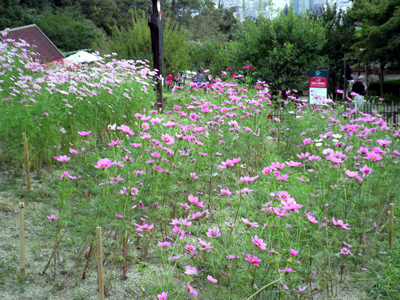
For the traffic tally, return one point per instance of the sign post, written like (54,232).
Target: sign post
(318,86)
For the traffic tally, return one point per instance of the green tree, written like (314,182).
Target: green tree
(134,42)
(281,49)
(339,29)
(68,30)
(379,34)
(103,13)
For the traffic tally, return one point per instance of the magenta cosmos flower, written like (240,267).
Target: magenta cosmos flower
(212,280)
(191,290)
(103,163)
(294,252)
(251,224)
(345,251)
(169,140)
(52,217)
(63,158)
(259,242)
(195,201)
(213,232)
(312,219)
(162,296)
(340,223)
(84,133)
(254,260)
(190,270)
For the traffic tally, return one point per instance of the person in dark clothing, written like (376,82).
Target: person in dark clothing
(359,88)
(349,74)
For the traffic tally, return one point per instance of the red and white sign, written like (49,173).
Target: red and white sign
(319,82)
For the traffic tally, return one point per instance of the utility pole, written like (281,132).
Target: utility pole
(156,24)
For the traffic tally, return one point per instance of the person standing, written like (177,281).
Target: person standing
(199,78)
(170,79)
(359,89)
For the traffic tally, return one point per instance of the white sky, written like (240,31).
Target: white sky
(279,3)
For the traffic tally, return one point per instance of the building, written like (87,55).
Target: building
(246,8)
(36,38)
(301,6)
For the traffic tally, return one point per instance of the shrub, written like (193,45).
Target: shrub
(389,87)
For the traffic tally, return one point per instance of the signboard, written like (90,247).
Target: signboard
(318,86)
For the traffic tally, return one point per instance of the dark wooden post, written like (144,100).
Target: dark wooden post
(156,24)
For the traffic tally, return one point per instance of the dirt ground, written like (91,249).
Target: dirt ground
(37,286)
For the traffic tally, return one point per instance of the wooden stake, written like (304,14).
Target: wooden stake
(391,226)
(100,264)
(22,240)
(28,174)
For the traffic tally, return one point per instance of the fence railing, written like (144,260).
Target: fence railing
(389,112)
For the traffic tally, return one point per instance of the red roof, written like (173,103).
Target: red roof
(34,36)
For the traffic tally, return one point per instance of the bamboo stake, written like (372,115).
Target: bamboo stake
(28,174)
(100,264)
(391,226)
(22,240)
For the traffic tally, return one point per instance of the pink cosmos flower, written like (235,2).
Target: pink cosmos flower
(340,223)
(312,219)
(84,133)
(190,270)
(345,251)
(185,206)
(172,258)
(303,155)
(52,217)
(162,296)
(248,179)
(193,175)
(244,191)
(195,201)
(73,151)
(213,232)
(351,173)
(365,171)
(63,158)
(288,270)
(207,246)
(212,280)
(145,126)
(294,252)
(114,143)
(259,242)
(191,249)
(251,224)
(254,260)
(225,192)
(143,227)
(163,244)
(191,290)
(155,154)
(266,171)
(373,156)
(169,140)
(282,177)
(119,216)
(347,245)
(301,289)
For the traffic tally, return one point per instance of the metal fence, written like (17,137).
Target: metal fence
(390,113)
